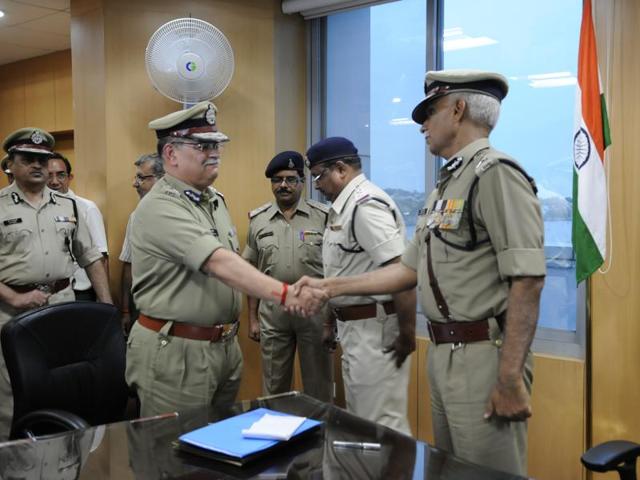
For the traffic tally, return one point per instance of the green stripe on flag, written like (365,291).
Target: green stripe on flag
(606,134)
(588,258)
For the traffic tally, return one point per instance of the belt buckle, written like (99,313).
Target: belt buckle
(229,334)
(432,334)
(44,288)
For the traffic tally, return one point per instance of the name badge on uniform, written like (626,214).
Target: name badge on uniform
(335,228)
(446,214)
(12,221)
(309,235)
(64,219)
(264,235)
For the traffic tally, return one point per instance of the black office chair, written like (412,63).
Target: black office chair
(66,363)
(618,455)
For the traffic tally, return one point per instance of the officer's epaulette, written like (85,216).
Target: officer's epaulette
(323,207)
(170,191)
(259,210)
(488,158)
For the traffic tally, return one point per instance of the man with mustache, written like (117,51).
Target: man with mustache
(188,277)
(285,242)
(41,236)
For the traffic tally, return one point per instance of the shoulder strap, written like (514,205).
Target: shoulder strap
(358,248)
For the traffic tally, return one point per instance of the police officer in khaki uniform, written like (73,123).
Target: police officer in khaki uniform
(285,242)
(40,237)
(478,260)
(365,230)
(187,275)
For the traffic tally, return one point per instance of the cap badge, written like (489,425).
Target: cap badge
(210,115)
(37,138)
(291,164)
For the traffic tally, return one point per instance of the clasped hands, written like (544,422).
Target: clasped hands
(306,297)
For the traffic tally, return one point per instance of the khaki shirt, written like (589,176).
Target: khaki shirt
(35,240)
(379,230)
(475,284)
(287,250)
(172,236)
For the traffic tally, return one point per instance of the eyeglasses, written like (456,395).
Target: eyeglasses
(316,178)
(59,175)
(141,178)
(202,147)
(288,180)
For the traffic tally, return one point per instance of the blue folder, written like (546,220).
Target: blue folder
(225,437)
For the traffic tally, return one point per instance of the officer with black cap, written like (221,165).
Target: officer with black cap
(285,242)
(478,260)
(40,238)
(188,276)
(365,231)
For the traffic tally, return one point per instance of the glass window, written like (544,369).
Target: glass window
(535,45)
(375,57)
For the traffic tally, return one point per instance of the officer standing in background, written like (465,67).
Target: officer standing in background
(4,164)
(187,275)
(149,169)
(60,177)
(40,238)
(285,242)
(365,231)
(478,259)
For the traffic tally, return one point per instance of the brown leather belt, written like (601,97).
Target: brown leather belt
(359,312)
(193,332)
(51,287)
(461,332)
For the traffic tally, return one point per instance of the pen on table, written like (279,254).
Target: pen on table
(359,445)
(155,417)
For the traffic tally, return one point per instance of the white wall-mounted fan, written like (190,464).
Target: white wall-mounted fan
(189,60)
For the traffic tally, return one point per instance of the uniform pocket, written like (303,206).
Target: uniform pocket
(268,252)
(16,239)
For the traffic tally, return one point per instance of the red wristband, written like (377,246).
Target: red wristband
(283,295)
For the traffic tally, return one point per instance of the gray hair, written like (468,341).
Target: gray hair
(482,110)
(157,166)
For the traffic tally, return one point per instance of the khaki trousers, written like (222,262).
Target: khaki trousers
(173,374)
(6,396)
(280,335)
(461,380)
(374,388)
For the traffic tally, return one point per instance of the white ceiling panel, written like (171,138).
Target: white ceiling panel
(59,23)
(33,27)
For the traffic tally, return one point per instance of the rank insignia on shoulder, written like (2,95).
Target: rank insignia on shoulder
(172,192)
(259,210)
(362,197)
(12,221)
(318,205)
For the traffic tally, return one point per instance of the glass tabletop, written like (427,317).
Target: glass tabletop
(145,449)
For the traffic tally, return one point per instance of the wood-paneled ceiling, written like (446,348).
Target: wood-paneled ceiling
(31,28)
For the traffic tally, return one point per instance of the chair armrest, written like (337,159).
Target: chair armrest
(609,455)
(46,422)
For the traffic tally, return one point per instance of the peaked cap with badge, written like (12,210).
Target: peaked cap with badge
(29,140)
(196,123)
(288,160)
(438,83)
(330,149)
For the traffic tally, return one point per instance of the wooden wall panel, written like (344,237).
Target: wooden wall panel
(39,92)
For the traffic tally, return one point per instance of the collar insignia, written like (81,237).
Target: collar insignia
(195,197)
(455,164)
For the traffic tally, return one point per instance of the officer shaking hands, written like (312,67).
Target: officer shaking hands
(41,236)
(477,257)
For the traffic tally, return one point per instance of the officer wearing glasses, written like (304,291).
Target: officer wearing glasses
(41,237)
(285,242)
(188,276)
(149,170)
(365,231)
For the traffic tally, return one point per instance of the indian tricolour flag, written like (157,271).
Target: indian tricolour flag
(591,138)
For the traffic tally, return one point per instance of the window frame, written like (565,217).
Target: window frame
(551,341)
